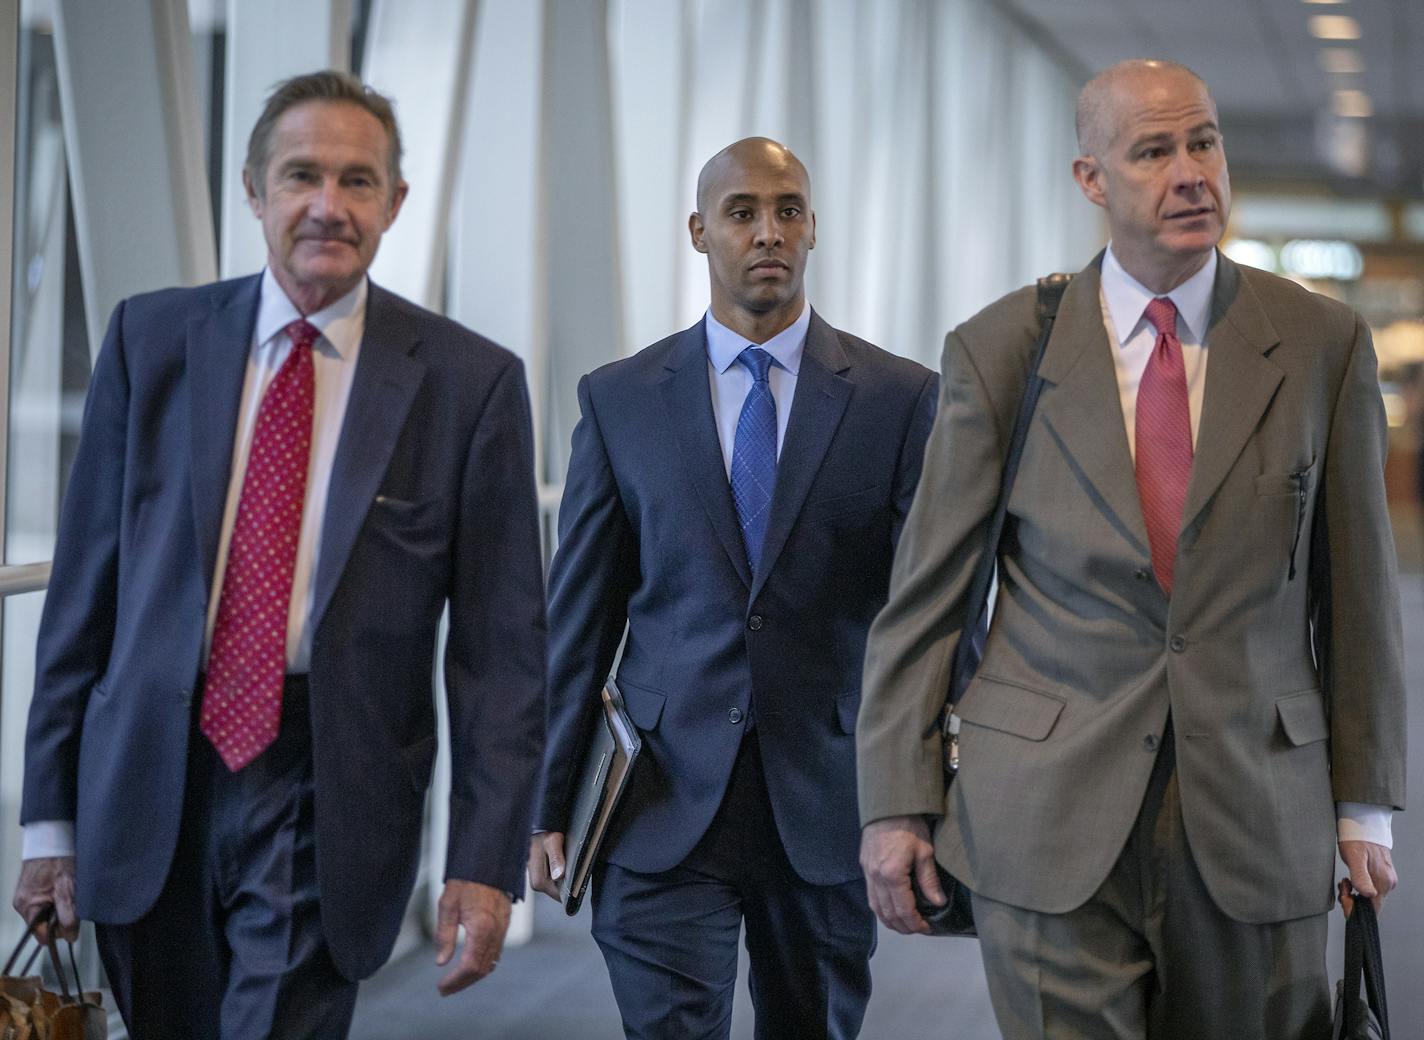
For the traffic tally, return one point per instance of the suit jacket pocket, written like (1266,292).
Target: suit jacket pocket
(404,513)
(844,505)
(1010,708)
(1303,717)
(419,759)
(644,706)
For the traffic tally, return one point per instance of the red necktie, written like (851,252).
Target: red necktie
(242,699)
(1164,441)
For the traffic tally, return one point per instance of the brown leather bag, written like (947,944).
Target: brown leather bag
(28,1011)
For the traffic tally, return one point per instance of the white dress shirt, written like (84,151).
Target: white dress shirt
(334,362)
(1124,299)
(731,381)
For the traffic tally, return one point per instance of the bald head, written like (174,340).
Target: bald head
(736,157)
(1103,100)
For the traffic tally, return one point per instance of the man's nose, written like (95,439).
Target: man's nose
(1187,173)
(326,200)
(768,231)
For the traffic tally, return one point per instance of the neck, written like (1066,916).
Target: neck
(1162,278)
(758,327)
(309,298)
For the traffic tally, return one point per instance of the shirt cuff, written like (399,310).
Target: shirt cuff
(45,838)
(1358,821)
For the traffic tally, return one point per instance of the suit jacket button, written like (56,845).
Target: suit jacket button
(734,715)
(1149,742)
(1142,574)
(754,623)
(1178,644)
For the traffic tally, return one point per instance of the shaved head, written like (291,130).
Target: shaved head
(1101,101)
(749,150)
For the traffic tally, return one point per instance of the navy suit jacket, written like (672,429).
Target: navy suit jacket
(432,500)
(649,538)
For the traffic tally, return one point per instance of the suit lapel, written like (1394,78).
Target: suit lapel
(382,391)
(821,398)
(687,397)
(1081,403)
(1240,382)
(218,344)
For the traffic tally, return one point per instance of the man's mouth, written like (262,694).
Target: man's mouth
(1189,214)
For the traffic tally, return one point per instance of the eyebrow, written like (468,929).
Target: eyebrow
(1167,135)
(743,196)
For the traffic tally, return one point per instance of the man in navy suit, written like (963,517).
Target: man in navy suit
(733,500)
(281,483)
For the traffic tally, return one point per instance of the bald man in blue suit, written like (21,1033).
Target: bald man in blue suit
(733,500)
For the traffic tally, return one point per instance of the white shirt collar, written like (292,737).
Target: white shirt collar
(723,345)
(1127,298)
(340,323)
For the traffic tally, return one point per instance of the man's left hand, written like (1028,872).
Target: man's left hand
(484,913)
(1371,873)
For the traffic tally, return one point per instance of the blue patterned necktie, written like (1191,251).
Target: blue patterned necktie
(754,454)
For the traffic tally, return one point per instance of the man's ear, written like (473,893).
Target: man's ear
(397,199)
(1088,172)
(697,230)
(812,244)
(254,200)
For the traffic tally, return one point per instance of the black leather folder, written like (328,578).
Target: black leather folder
(602,778)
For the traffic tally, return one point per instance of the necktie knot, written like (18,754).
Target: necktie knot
(758,363)
(1162,314)
(303,333)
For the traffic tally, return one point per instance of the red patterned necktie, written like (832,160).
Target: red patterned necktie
(1164,441)
(242,699)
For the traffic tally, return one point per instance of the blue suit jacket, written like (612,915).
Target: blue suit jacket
(649,536)
(431,501)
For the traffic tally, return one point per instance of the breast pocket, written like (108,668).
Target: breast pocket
(1285,503)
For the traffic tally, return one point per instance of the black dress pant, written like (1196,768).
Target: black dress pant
(670,939)
(233,948)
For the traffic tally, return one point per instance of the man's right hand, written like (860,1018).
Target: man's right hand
(48,882)
(546,863)
(890,851)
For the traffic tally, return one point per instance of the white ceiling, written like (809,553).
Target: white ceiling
(1264,68)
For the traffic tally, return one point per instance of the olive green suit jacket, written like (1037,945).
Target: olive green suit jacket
(1286,693)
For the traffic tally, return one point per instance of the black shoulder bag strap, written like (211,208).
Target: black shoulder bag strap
(976,625)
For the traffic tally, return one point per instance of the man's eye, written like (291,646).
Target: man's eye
(791,212)
(740,214)
(1204,145)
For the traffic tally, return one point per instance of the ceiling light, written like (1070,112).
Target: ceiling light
(1353,104)
(1323,1)
(1342,61)
(1333,27)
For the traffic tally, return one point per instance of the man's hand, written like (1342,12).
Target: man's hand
(546,863)
(44,883)
(1371,873)
(890,850)
(484,912)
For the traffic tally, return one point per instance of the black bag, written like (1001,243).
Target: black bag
(1357,1019)
(956,917)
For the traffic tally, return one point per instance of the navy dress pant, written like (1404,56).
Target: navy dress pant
(670,939)
(233,948)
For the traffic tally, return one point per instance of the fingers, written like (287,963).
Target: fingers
(1372,873)
(927,874)
(447,920)
(1347,898)
(554,848)
(889,850)
(546,863)
(65,914)
(45,884)
(484,912)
